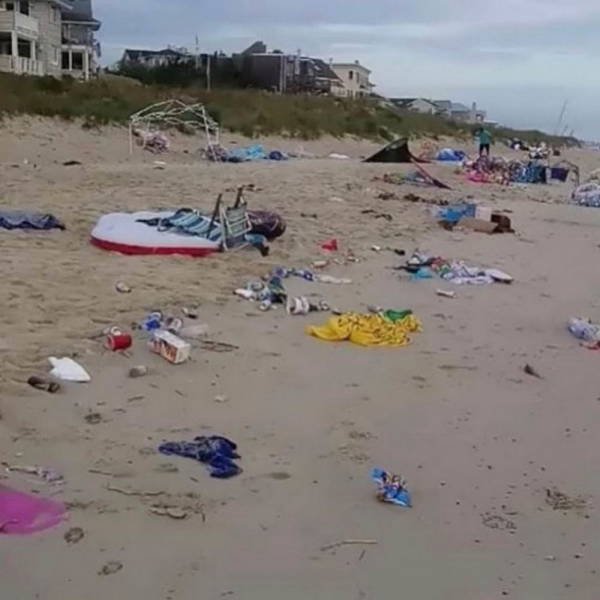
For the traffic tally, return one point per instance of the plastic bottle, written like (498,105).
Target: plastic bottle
(583,329)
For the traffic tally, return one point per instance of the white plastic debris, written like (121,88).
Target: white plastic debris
(67,369)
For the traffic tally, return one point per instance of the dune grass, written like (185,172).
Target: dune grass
(112,99)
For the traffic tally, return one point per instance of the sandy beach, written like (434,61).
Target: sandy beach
(479,441)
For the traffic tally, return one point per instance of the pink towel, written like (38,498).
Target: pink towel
(23,514)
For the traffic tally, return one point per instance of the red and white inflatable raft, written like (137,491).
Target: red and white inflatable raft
(122,232)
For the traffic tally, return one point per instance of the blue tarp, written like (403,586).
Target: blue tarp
(256,152)
(450,155)
(16,219)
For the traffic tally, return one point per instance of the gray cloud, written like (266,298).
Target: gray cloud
(462,48)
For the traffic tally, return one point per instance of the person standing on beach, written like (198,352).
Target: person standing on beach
(485,141)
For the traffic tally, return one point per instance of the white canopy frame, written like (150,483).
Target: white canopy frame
(175,113)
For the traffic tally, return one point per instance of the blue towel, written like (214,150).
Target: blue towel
(216,452)
(390,488)
(16,219)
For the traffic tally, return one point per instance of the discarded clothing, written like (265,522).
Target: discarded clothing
(267,223)
(248,154)
(391,488)
(25,220)
(367,330)
(23,514)
(216,452)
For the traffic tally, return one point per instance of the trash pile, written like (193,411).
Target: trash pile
(502,171)
(155,142)
(469,215)
(423,266)
(270,291)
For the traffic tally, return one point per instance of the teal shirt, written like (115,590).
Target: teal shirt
(485,137)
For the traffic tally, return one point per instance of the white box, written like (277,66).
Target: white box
(170,347)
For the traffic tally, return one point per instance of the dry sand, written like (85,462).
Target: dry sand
(479,440)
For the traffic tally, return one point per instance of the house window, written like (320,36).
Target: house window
(65,61)
(351,75)
(24,7)
(10,6)
(77,61)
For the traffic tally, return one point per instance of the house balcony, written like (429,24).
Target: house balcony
(24,25)
(20,65)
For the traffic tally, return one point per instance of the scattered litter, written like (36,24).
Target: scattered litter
(71,163)
(337,156)
(139,371)
(216,452)
(456,272)
(190,313)
(160,165)
(122,288)
(195,331)
(173,513)
(445,294)
(584,329)
(336,199)
(368,330)
(560,501)
(45,473)
(74,535)
(301,305)
(531,371)
(43,383)
(67,369)
(112,488)
(348,543)
(24,514)
(330,245)
(93,418)
(116,340)
(170,347)
(320,264)
(333,280)
(214,346)
(391,488)
(111,567)
(376,248)
(221,399)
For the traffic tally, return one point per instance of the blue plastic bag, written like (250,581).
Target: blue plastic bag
(391,488)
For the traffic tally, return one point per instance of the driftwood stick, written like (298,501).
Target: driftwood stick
(348,543)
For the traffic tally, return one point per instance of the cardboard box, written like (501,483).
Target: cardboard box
(170,347)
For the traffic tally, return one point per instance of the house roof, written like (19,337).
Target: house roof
(80,11)
(402,102)
(135,54)
(323,70)
(459,107)
(355,65)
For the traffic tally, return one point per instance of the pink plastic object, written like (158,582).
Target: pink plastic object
(23,514)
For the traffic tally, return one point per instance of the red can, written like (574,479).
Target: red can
(117,340)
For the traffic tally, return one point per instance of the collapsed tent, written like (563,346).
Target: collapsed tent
(395,152)
(16,219)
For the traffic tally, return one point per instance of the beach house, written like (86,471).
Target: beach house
(80,49)
(48,37)
(355,79)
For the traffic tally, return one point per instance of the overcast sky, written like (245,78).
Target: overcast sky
(519,59)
